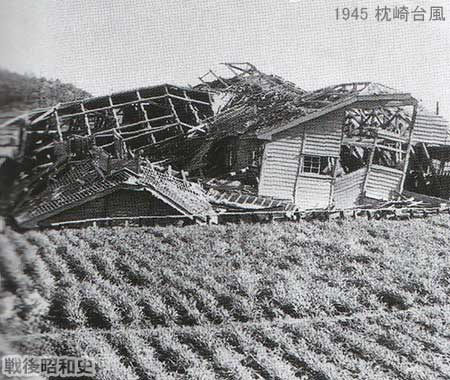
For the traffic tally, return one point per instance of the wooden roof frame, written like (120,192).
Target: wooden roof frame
(363,101)
(101,118)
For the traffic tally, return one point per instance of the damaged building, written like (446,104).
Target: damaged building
(334,148)
(75,161)
(246,141)
(101,189)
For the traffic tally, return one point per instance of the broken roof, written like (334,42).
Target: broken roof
(132,120)
(83,181)
(9,134)
(189,198)
(249,100)
(258,104)
(347,100)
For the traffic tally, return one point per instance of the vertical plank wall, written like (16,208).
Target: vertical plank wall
(322,138)
(348,188)
(313,192)
(280,177)
(382,181)
(280,165)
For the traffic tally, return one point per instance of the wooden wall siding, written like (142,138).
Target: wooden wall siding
(323,135)
(313,192)
(348,188)
(122,203)
(280,165)
(382,181)
(281,161)
(430,129)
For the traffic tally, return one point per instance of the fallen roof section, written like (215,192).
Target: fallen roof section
(85,181)
(187,197)
(251,202)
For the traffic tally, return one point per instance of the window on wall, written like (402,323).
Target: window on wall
(318,164)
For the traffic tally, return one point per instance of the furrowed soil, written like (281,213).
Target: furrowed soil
(352,299)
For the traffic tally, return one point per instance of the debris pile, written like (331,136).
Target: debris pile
(246,142)
(100,189)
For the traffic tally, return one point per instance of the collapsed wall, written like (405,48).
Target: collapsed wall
(255,141)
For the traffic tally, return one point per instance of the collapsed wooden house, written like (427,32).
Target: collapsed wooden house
(103,189)
(334,148)
(254,141)
(151,123)
(121,124)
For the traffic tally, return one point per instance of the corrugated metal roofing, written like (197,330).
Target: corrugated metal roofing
(382,182)
(430,129)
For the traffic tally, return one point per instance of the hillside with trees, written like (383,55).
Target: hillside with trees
(24,92)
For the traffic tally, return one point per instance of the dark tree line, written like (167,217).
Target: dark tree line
(25,92)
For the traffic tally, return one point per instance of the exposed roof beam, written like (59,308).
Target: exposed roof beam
(362,100)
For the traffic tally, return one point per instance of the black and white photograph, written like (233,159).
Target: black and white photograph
(225,189)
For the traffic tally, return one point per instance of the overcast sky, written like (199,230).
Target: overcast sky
(109,45)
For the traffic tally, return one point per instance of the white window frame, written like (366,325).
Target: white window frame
(315,164)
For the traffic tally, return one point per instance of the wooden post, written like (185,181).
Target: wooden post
(23,135)
(183,175)
(300,164)
(58,123)
(86,118)
(430,161)
(218,78)
(174,111)
(408,149)
(334,173)
(441,168)
(114,111)
(145,115)
(116,134)
(369,165)
(194,111)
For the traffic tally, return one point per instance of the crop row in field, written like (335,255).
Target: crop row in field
(287,275)
(345,299)
(398,345)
